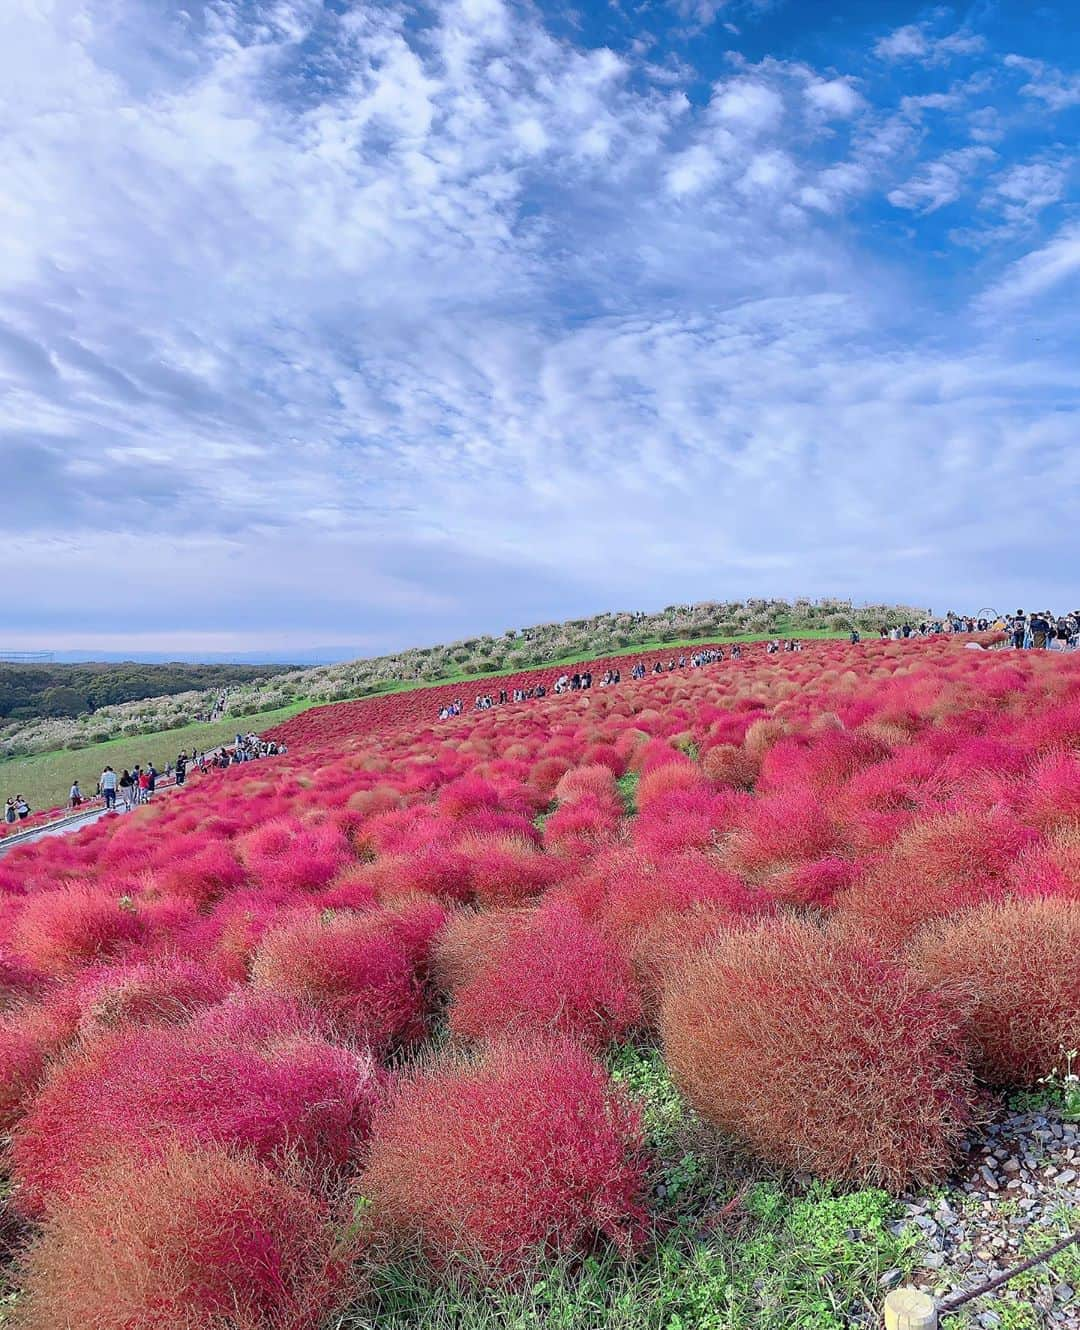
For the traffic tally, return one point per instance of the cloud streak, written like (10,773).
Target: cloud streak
(384,322)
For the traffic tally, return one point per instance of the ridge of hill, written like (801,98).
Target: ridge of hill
(515,649)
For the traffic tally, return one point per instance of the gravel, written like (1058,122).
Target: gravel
(1010,1199)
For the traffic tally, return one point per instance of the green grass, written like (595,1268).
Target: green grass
(729,1250)
(456,676)
(45,778)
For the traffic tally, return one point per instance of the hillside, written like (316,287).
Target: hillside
(515,649)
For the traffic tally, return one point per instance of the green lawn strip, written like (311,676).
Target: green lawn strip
(583,657)
(628,784)
(45,778)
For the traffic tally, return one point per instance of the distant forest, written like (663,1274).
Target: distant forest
(42,690)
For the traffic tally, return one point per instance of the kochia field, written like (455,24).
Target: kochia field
(267,1034)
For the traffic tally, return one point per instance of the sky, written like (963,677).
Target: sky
(380,324)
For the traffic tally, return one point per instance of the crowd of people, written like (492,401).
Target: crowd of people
(582,680)
(132,786)
(1042,629)
(1045,630)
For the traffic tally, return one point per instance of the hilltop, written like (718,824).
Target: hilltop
(548,643)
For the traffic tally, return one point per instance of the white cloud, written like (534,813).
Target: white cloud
(907,43)
(917,42)
(942,181)
(692,170)
(772,171)
(834,97)
(747,104)
(1038,273)
(1056,89)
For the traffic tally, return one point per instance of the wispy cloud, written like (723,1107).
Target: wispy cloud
(941,181)
(416,317)
(1043,270)
(917,42)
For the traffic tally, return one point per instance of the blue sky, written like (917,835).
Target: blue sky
(382,323)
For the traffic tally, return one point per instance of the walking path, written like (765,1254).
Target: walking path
(58,828)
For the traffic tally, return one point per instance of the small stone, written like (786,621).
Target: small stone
(988,1178)
(889,1278)
(1066,1176)
(989,1319)
(1063,1293)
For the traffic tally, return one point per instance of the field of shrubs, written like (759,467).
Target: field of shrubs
(47,727)
(623,1008)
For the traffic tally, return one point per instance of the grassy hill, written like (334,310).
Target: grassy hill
(471,658)
(45,778)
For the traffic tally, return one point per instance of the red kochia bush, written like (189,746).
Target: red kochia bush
(556,975)
(294,1096)
(204,875)
(152,993)
(355,968)
(937,866)
(789,825)
(819,1055)
(290,857)
(22,1065)
(18,980)
(527,1149)
(58,931)
(1020,960)
(197,1240)
(507,870)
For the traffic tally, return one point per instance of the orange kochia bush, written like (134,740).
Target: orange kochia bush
(198,1239)
(1020,963)
(819,1055)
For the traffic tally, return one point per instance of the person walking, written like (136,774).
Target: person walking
(126,786)
(74,795)
(22,808)
(181,768)
(144,785)
(10,814)
(107,785)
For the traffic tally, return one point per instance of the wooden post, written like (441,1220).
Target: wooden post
(908,1309)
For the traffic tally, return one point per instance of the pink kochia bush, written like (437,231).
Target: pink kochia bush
(59,931)
(22,1066)
(554,975)
(103,998)
(354,967)
(199,1239)
(278,1094)
(527,1149)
